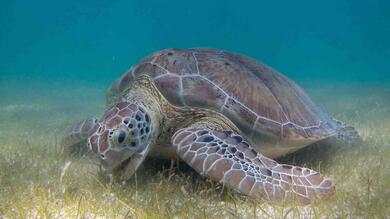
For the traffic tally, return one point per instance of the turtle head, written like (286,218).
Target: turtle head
(121,138)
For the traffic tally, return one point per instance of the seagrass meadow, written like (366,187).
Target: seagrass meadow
(36,180)
(58,58)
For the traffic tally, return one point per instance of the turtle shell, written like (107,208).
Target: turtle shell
(257,98)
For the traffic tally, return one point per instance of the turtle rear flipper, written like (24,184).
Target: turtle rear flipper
(74,142)
(346,134)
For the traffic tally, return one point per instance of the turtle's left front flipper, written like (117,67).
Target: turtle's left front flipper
(74,142)
(227,158)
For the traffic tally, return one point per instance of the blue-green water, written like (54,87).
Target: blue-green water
(63,55)
(96,41)
(57,59)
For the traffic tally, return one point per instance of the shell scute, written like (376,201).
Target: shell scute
(176,61)
(238,113)
(233,77)
(268,127)
(169,85)
(207,95)
(152,69)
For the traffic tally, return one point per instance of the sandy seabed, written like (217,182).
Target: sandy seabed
(33,182)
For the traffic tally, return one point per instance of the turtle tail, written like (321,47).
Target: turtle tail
(346,134)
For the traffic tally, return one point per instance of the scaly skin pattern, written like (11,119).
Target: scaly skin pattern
(124,128)
(227,158)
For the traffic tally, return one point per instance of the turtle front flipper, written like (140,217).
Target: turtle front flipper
(74,142)
(228,159)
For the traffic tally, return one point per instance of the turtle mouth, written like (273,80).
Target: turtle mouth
(119,171)
(121,167)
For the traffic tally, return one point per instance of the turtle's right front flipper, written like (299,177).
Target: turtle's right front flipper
(225,157)
(74,141)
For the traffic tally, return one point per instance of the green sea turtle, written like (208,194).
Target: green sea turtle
(224,114)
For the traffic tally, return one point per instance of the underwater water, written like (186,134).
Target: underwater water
(57,59)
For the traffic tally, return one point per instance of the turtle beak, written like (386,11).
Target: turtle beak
(128,166)
(113,159)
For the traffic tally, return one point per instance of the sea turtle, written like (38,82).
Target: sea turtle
(224,114)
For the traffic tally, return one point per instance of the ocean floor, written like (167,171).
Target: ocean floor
(36,180)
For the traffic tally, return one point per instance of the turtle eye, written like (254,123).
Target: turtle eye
(121,136)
